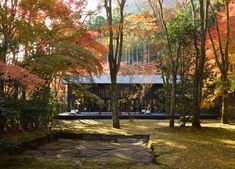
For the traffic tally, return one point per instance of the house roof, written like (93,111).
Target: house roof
(121,79)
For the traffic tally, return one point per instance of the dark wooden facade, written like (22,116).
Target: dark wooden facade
(132,97)
(232,105)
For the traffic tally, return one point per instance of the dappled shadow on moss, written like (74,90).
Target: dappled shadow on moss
(201,148)
(211,146)
(25,162)
(71,150)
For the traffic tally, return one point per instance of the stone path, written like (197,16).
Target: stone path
(78,152)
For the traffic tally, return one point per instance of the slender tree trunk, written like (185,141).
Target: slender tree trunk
(173,86)
(222,61)
(225,108)
(114,55)
(173,65)
(225,97)
(196,113)
(173,102)
(165,80)
(23,93)
(196,110)
(114,104)
(200,62)
(3,55)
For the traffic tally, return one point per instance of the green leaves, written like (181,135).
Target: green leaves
(181,27)
(232,78)
(53,63)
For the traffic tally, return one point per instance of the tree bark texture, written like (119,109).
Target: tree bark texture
(222,61)
(114,104)
(225,108)
(200,59)
(173,102)
(115,55)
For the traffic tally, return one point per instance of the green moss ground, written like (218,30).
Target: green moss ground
(211,147)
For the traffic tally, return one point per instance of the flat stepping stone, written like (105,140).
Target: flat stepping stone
(79,152)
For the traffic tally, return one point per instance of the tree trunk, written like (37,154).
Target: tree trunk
(225,108)
(200,62)
(173,103)
(196,113)
(225,99)
(222,61)
(196,110)
(114,105)
(115,55)
(3,55)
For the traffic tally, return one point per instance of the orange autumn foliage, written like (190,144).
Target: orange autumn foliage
(221,17)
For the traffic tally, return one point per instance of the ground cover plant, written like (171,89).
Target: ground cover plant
(52,51)
(212,146)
